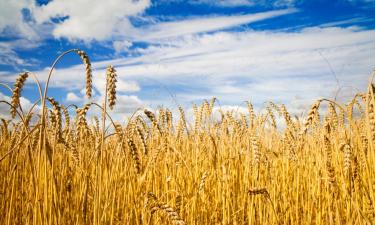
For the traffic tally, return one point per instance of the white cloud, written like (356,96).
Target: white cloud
(121,46)
(30,24)
(11,17)
(90,20)
(71,97)
(127,86)
(175,29)
(126,104)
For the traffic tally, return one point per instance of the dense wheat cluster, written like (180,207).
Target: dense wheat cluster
(65,165)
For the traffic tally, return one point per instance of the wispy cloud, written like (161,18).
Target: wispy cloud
(9,56)
(357,20)
(169,30)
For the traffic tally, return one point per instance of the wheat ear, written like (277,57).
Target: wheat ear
(86,62)
(17,89)
(111,88)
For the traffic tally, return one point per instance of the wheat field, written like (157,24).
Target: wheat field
(267,167)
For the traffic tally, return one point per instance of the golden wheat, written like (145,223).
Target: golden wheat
(258,167)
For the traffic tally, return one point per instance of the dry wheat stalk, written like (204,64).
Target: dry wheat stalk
(328,150)
(356,174)
(326,139)
(169,118)
(152,118)
(349,109)
(272,117)
(243,122)
(178,204)
(363,151)
(341,117)
(134,154)
(332,178)
(97,127)
(17,89)
(52,118)
(4,128)
(275,107)
(162,117)
(286,115)
(370,112)
(66,117)
(86,62)
(256,151)
(202,181)
(182,122)
(72,148)
(57,115)
(258,191)
(198,113)
(333,115)
(119,131)
(347,158)
(312,115)
(212,103)
(369,206)
(111,86)
(81,122)
(250,109)
(141,136)
(206,110)
(359,106)
(28,119)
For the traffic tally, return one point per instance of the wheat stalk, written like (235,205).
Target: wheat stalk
(202,182)
(111,87)
(16,95)
(86,62)
(57,115)
(134,154)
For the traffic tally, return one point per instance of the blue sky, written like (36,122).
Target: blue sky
(174,52)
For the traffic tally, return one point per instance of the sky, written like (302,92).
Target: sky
(173,52)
